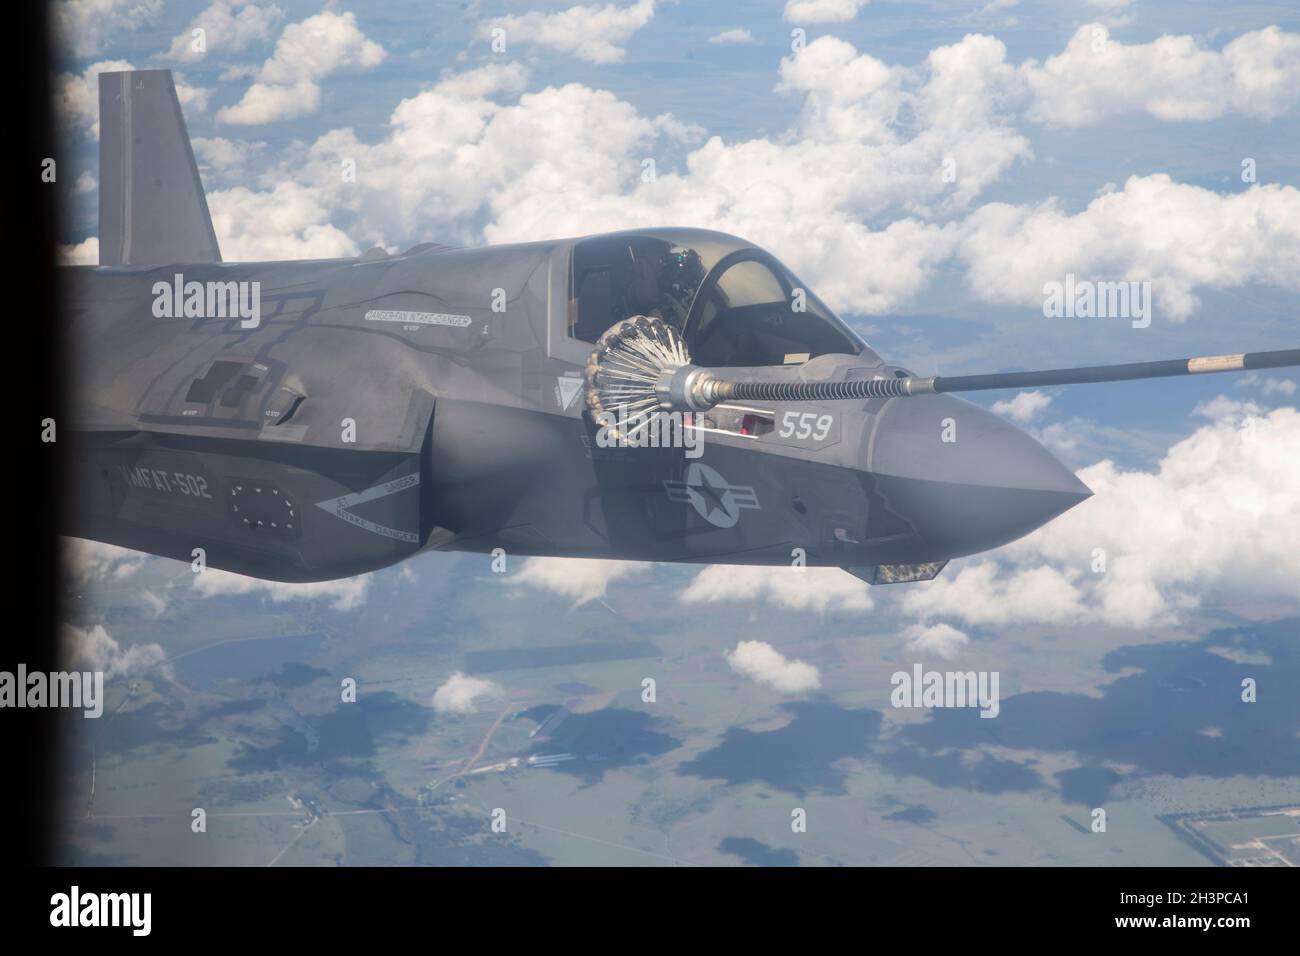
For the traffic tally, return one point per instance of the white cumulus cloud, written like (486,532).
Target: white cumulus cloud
(1171,78)
(822,11)
(84,253)
(1267,384)
(460,694)
(345,594)
(941,639)
(764,664)
(591,33)
(984,593)
(855,195)
(1177,236)
(85,560)
(1217,518)
(809,589)
(1024,406)
(95,649)
(288,84)
(738,35)
(85,25)
(229,26)
(580,579)
(288,222)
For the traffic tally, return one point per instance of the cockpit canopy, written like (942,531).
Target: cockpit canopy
(735,304)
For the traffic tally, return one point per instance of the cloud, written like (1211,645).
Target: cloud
(84,253)
(452,157)
(812,589)
(96,650)
(590,33)
(876,176)
(1224,409)
(84,25)
(580,579)
(231,159)
(77,95)
(1080,441)
(93,561)
(848,158)
(229,26)
(1024,407)
(155,603)
(822,11)
(1216,520)
(1177,236)
(288,84)
(764,664)
(289,222)
(460,693)
(269,103)
(986,595)
(739,35)
(85,560)
(1172,78)
(940,639)
(1267,384)
(345,594)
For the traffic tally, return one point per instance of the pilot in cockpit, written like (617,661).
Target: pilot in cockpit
(664,286)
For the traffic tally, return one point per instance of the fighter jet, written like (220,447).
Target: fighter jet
(662,394)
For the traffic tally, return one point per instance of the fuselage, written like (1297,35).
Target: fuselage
(381,406)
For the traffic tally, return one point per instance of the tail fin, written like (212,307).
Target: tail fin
(151,204)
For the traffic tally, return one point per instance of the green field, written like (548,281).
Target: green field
(251,727)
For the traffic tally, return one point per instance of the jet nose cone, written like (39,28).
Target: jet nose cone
(966,479)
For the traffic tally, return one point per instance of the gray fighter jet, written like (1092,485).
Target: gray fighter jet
(658,395)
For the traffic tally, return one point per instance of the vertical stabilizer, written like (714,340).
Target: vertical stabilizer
(152,209)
